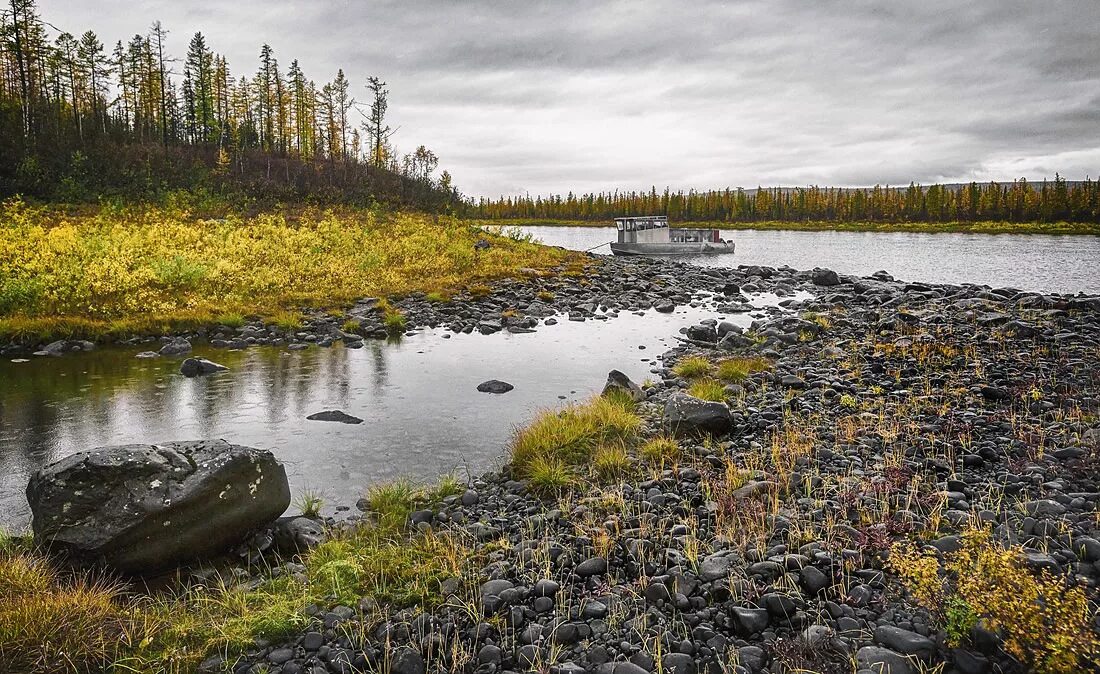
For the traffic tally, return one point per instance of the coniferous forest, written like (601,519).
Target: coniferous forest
(81,117)
(1018,202)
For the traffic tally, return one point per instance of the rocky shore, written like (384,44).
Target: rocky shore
(889,412)
(817,512)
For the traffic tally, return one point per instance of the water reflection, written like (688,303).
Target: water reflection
(422,414)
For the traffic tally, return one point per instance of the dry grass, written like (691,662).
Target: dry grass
(558,441)
(734,370)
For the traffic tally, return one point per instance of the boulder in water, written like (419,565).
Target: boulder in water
(494,386)
(144,508)
(335,415)
(176,347)
(194,367)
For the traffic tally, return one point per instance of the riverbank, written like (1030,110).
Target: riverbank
(984,227)
(889,470)
(118,272)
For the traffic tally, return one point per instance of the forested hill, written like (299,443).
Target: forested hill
(1019,201)
(80,119)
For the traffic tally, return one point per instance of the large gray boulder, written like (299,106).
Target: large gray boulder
(144,508)
(687,415)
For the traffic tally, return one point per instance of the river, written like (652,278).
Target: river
(1036,262)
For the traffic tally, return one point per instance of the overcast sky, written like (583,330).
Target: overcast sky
(522,96)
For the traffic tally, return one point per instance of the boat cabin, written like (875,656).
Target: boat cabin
(693,235)
(643,229)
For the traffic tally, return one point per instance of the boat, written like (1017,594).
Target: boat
(651,235)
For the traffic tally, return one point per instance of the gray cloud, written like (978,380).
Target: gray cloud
(578,95)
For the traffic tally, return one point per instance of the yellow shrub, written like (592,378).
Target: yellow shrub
(1044,622)
(143,262)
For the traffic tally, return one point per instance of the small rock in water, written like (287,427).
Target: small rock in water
(494,386)
(148,354)
(335,415)
(193,367)
(177,347)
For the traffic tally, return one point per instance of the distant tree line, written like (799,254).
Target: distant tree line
(1019,201)
(75,115)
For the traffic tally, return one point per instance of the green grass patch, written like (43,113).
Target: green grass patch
(559,442)
(692,366)
(659,450)
(287,321)
(708,389)
(735,370)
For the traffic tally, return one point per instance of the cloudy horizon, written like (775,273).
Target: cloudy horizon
(552,97)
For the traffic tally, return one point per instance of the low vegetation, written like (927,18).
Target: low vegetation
(557,446)
(52,619)
(692,366)
(1043,620)
(735,370)
(169,271)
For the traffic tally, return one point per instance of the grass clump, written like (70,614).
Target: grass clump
(351,326)
(393,502)
(50,623)
(309,503)
(230,320)
(557,442)
(610,461)
(545,296)
(1044,622)
(708,389)
(659,450)
(734,370)
(692,367)
(287,321)
(437,297)
(548,475)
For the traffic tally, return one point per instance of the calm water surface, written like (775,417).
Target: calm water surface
(1039,262)
(423,416)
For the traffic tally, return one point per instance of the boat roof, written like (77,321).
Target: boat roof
(642,222)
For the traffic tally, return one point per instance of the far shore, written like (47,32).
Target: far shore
(981,227)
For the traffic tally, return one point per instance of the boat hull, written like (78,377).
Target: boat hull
(668,248)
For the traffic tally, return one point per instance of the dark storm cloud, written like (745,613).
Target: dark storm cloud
(570,95)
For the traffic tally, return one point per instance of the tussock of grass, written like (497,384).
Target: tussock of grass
(660,450)
(309,503)
(287,321)
(351,326)
(393,502)
(692,366)
(708,389)
(548,475)
(230,320)
(48,623)
(438,297)
(394,321)
(734,370)
(570,437)
(610,461)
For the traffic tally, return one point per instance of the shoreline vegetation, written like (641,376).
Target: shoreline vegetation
(982,227)
(114,272)
(1019,202)
(913,469)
